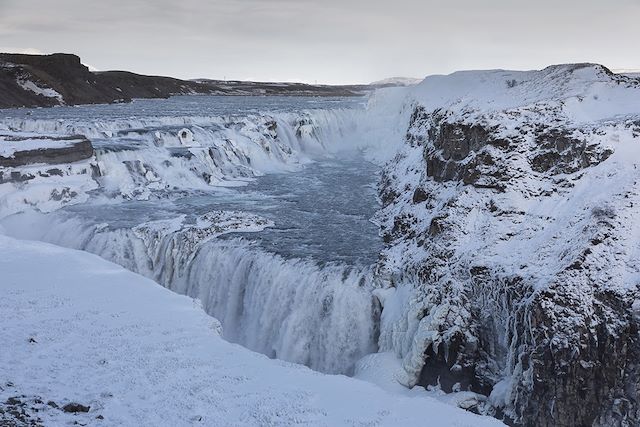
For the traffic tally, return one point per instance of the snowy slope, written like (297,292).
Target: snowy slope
(82,330)
(511,223)
(577,93)
(396,81)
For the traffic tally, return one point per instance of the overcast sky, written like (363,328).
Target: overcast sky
(329,41)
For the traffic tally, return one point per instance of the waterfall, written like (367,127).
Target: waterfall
(323,316)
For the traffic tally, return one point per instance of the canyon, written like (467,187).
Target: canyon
(473,237)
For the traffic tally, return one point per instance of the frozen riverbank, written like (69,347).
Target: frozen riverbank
(83,330)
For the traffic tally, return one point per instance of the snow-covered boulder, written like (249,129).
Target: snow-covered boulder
(19,150)
(44,172)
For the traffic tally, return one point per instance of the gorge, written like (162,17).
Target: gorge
(479,228)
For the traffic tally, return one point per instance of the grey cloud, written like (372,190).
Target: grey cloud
(333,40)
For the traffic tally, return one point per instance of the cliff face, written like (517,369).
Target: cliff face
(61,79)
(511,224)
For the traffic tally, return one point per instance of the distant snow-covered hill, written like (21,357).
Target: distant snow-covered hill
(635,73)
(397,81)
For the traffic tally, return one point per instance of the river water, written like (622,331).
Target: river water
(186,106)
(322,212)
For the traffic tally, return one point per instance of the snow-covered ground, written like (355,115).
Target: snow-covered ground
(39,90)
(78,329)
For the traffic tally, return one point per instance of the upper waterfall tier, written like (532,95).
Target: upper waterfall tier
(151,151)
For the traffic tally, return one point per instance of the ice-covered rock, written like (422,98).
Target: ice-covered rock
(18,150)
(44,172)
(511,229)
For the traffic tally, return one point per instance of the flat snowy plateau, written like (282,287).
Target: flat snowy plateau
(79,329)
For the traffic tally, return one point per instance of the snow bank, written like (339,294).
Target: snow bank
(9,146)
(296,310)
(83,330)
(578,93)
(38,90)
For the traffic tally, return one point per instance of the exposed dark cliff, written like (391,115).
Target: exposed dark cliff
(46,80)
(61,79)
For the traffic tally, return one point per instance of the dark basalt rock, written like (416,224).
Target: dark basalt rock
(562,153)
(458,151)
(61,72)
(64,194)
(386,192)
(456,140)
(475,153)
(20,411)
(14,176)
(74,152)
(419,195)
(592,375)
(75,407)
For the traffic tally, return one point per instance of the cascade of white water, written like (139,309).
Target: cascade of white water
(324,317)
